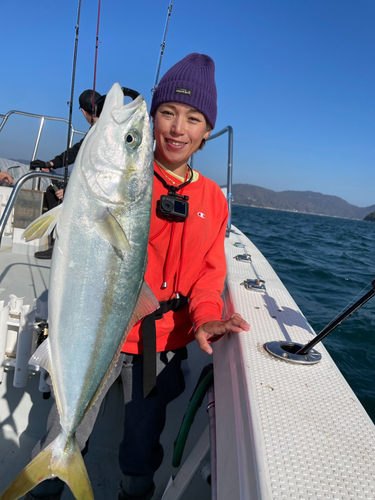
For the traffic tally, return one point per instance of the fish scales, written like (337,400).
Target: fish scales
(103,284)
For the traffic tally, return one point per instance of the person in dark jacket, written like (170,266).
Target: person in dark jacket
(85,105)
(55,192)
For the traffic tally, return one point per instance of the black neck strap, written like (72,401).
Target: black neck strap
(174,189)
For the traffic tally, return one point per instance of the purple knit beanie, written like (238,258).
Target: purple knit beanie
(191,81)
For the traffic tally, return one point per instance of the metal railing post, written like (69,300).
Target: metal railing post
(228,129)
(42,120)
(36,182)
(16,190)
(38,138)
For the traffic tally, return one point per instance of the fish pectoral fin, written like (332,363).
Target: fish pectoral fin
(109,229)
(68,465)
(43,225)
(147,303)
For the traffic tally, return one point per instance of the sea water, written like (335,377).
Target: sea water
(326,264)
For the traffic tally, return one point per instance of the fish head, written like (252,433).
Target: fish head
(117,156)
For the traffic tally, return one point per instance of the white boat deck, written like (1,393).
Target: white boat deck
(285,431)
(23,422)
(23,411)
(22,275)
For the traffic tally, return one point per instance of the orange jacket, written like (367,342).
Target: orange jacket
(189,256)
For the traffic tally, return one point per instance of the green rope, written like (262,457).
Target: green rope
(194,404)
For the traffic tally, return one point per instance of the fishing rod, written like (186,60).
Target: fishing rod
(334,324)
(96,59)
(162,46)
(72,95)
(306,354)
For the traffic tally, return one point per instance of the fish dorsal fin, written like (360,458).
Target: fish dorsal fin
(43,225)
(42,356)
(109,229)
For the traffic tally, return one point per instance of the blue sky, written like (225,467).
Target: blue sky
(295,80)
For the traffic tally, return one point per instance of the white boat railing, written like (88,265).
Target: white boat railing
(228,129)
(42,119)
(16,190)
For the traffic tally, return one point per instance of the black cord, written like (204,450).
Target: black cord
(173,189)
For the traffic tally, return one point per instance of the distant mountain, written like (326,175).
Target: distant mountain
(297,201)
(370,217)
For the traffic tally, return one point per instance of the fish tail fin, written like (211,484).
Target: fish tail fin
(67,465)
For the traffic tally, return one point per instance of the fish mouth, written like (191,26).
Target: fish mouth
(121,112)
(134,103)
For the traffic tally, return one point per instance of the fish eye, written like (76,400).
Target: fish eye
(133,139)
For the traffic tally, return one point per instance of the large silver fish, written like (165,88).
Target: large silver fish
(97,291)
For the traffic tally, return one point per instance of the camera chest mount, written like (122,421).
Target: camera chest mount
(173,206)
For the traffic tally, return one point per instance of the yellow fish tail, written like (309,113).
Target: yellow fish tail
(67,465)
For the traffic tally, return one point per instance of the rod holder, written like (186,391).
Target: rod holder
(305,354)
(287,351)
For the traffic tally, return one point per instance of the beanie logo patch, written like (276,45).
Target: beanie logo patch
(180,90)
